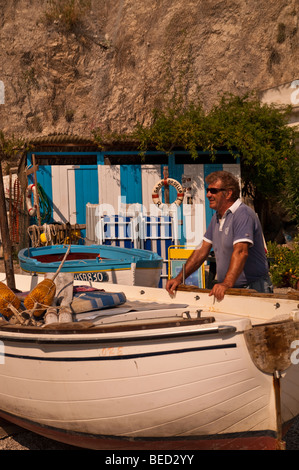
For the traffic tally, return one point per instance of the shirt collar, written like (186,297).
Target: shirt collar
(231,209)
(235,206)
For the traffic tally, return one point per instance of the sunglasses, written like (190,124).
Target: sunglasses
(214,190)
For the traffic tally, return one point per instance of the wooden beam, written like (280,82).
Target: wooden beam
(7,248)
(32,170)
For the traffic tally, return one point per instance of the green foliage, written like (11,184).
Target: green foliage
(260,134)
(257,133)
(284,269)
(175,128)
(106,139)
(10,147)
(289,196)
(67,13)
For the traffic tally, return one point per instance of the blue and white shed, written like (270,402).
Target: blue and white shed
(111,193)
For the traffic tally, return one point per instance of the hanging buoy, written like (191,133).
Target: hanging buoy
(31,189)
(171,182)
(43,238)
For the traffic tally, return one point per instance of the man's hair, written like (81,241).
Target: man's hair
(228,180)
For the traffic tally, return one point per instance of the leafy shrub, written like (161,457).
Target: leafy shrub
(284,266)
(257,133)
(67,13)
(289,196)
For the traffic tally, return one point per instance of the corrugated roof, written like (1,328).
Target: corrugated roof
(62,139)
(75,141)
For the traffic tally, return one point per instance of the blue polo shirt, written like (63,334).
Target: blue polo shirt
(239,224)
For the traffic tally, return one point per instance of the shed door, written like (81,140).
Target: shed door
(82,188)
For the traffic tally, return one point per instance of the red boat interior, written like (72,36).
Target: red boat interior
(56,257)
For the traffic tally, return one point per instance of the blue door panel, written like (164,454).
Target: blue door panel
(130,181)
(87,191)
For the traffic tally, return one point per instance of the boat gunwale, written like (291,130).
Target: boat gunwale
(235,291)
(101,334)
(143,259)
(129,253)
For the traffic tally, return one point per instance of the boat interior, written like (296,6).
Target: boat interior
(90,309)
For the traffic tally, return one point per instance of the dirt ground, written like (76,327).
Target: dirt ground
(15,438)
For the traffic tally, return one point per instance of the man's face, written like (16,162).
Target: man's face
(217,200)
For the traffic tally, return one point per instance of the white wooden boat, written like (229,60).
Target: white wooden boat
(157,372)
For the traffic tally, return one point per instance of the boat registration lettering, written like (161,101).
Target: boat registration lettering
(92,277)
(107,352)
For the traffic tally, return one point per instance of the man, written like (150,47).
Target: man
(236,236)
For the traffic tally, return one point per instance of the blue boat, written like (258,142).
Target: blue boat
(96,263)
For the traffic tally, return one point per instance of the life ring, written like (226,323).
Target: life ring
(171,182)
(31,189)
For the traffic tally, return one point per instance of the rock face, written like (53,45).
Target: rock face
(123,58)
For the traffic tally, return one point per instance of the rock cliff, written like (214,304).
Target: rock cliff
(122,58)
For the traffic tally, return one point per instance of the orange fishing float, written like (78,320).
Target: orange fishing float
(8,301)
(43,294)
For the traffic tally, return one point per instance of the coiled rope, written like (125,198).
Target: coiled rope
(44,205)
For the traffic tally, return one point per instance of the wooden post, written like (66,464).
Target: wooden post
(166,187)
(276,382)
(7,250)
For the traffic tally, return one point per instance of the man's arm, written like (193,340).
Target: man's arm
(192,264)
(236,266)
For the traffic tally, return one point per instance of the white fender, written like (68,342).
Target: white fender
(31,189)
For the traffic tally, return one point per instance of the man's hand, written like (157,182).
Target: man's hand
(219,290)
(237,263)
(172,285)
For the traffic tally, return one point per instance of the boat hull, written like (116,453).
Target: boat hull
(172,388)
(115,265)
(246,441)
(166,381)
